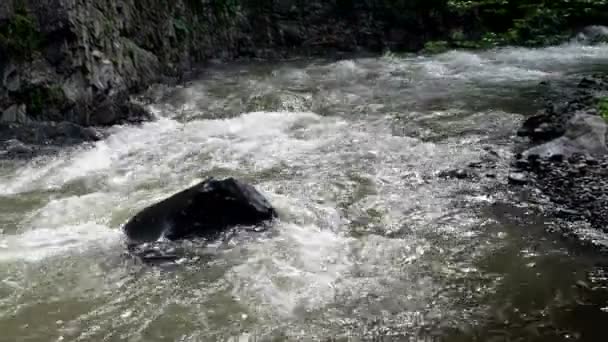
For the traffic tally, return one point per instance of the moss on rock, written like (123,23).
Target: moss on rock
(19,36)
(43,102)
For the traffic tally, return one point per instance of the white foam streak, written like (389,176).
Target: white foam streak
(297,270)
(41,243)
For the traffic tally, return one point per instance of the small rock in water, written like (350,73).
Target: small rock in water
(476,164)
(458,174)
(518,178)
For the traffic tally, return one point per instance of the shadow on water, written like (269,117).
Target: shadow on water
(550,289)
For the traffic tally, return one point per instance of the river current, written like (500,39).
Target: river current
(371,241)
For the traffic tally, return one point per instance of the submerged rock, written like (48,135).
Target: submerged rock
(205,210)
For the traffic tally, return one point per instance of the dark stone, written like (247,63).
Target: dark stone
(476,165)
(557,158)
(205,210)
(518,178)
(540,128)
(292,35)
(585,135)
(562,212)
(522,164)
(587,83)
(490,151)
(457,173)
(49,133)
(17,148)
(591,161)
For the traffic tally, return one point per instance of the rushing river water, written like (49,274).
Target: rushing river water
(371,242)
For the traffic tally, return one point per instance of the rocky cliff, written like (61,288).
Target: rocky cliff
(80,60)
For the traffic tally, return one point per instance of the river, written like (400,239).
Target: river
(371,242)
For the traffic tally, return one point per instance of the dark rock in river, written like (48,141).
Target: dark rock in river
(205,210)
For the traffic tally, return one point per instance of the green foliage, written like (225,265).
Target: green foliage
(436,46)
(603,108)
(19,37)
(530,22)
(475,24)
(38,98)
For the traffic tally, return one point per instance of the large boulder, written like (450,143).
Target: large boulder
(202,211)
(584,134)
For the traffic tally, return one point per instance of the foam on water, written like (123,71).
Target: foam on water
(506,64)
(295,271)
(41,243)
(367,232)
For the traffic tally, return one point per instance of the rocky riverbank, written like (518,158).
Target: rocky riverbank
(81,60)
(70,64)
(568,159)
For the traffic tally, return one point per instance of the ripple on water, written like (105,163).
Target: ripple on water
(370,241)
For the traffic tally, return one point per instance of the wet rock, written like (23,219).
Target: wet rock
(541,128)
(33,138)
(591,161)
(6,10)
(585,134)
(291,33)
(476,164)
(578,189)
(205,210)
(457,174)
(95,54)
(518,178)
(557,158)
(523,164)
(587,83)
(563,212)
(490,151)
(16,148)
(14,114)
(571,171)
(593,34)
